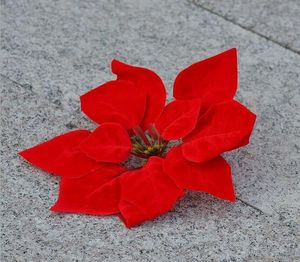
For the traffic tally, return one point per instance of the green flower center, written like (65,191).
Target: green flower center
(146,144)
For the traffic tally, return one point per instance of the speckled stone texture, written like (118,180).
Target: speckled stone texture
(53,51)
(277,20)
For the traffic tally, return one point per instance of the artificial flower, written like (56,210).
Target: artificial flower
(179,144)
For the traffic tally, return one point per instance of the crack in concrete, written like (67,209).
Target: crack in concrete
(28,87)
(285,46)
(252,206)
(15,82)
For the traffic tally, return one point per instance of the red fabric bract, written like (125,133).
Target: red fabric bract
(61,155)
(74,193)
(178,119)
(116,101)
(144,193)
(224,127)
(105,199)
(108,143)
(133,118)
(148,82)
(213,177)
(213,80)
(147,193)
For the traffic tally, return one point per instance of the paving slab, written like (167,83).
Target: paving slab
(54,51)
(276,20)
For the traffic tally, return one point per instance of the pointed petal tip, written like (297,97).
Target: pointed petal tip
(214,79)
(55,208)
(116,61)
(113,63)
(22,153)
(117,66)
(231,199)
(233,50)
(25,155)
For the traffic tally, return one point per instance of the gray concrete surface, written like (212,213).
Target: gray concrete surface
(53,51)
(276,20)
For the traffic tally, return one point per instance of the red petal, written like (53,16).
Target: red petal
(115,101)
(105,199)
(213,80)
(61,155)
(148,81)
(178,119)
(73,192)
(147,193)
(224,127)
(144,193)
(108,143)
(213,177)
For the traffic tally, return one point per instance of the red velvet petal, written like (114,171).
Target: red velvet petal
(148,81)
(73,192)
(213,177)
(213,79)
(105,199)
(178,119)
(61,155)
(108,143)
(224,127)
(147,193)
(115,101)
(144,193)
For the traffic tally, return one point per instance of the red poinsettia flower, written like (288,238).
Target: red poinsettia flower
(180,143)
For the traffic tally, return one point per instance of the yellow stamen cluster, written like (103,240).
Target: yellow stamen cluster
(154,148)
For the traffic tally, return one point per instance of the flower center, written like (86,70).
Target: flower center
(148,143)
(139,148)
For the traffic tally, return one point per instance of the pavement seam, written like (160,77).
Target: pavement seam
(285,46)
(251,206)
(13,81)
(25,87)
